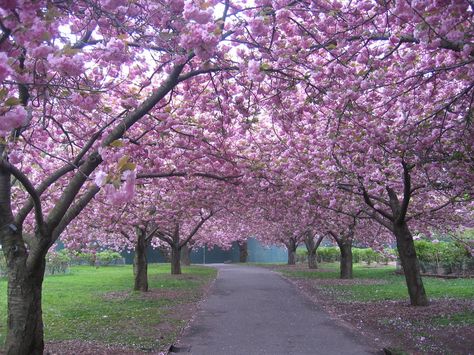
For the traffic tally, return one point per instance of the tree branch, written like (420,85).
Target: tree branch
(196,229)
(406,193)
(23,179)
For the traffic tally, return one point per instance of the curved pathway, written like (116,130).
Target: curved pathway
(252,310)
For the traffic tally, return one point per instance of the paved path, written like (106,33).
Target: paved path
(252,310)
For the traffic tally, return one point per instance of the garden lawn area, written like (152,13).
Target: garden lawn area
(386,286)
(376,304)
(97,304)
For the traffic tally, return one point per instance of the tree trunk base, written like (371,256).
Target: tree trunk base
(25,316)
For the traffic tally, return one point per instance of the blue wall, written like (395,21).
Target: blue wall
(257,253)
(214,255)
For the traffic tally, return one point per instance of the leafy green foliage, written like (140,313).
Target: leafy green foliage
(446,254)
(57,262)
(102,258)
(359,255)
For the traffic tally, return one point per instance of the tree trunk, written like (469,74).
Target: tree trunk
(345,247)
(25,316)
(140,263)
(410,265)
(291,246)
(186,255)
(175,260)
(243,252)
(312,262)
(312,247)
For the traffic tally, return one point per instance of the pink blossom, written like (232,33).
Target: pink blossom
(15,157)
(42,51)
(113,4)
(125,193)
(194,13)
(5,69)
(100,178)
(8,4)
(71,66)
(14,118)
(254,71)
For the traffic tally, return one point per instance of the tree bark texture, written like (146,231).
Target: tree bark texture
(312,262)
(186,255)
(346,265)
(410,265)
(243,252)
(312,247)
(25,318)
(140,263)
(175,260)
(291,246)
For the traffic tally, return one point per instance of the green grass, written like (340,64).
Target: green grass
(93,304)
(391,287)
(456,319)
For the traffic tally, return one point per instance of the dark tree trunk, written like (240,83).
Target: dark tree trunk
(345,248)
(140,263)
(312,262)
(243,252)
(175,260)
(186,255)
(291,246)
(25,318)
(410,265)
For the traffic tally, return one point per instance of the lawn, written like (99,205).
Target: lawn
(98,305)
(390,286)
(376,303)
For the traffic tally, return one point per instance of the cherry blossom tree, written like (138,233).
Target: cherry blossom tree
(75,78)
(372,99)
(382,91)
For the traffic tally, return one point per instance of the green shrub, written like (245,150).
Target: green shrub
(359,255)
(444,256)
(108,257)
(104,258)
(369,256)
(57,262)
(301,255)
(328,254)
(81,258)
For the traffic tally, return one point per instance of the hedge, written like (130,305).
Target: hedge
(359,255)
(58,262)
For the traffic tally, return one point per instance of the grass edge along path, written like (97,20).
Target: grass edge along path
(376,303)
(98,305)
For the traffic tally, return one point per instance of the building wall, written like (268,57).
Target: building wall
(257,253)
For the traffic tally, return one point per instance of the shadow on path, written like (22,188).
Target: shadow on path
(252,310)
